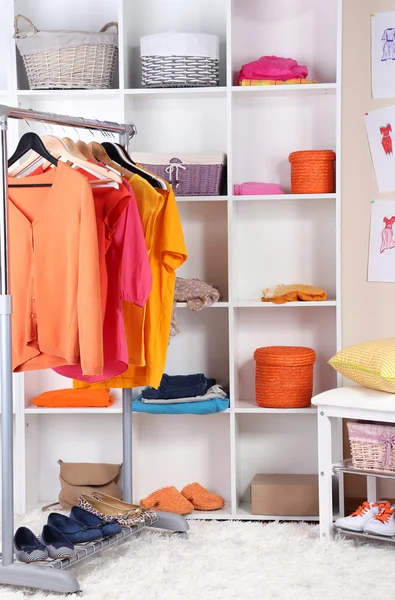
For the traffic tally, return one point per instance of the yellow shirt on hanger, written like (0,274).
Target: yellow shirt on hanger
(147,329)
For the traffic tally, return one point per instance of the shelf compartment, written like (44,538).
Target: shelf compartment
(250,407)
(68,93)
(294,326)
(345,466)
(290,121)
(282,197)
(283,242)
(313,88)
(258,304)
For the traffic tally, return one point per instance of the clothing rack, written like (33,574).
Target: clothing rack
(54,579)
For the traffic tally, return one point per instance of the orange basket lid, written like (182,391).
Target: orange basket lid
(287,356)
(315,155)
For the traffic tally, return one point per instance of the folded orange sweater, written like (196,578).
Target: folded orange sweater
(293,293)
(84,398)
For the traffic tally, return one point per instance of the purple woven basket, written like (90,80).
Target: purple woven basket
(191,180)
(372,446)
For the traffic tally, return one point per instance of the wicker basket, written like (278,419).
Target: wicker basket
(180,60)
(372,446)
(284,376)
(188,174)
(65,60)
(313,172)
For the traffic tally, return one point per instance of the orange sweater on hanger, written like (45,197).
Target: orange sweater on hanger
(55,277)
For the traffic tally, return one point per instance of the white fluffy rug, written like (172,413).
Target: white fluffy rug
(234,561)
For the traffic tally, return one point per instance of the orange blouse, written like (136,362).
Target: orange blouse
(54,273)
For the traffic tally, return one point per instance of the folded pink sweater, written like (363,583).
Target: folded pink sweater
(257,189)
(273,67)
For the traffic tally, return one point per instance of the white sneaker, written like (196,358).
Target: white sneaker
(384,522)
(359,518)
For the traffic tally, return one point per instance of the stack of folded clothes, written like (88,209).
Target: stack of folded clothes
(274,70)
(183,394)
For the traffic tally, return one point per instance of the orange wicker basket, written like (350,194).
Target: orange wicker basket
(313,172)
(284,376)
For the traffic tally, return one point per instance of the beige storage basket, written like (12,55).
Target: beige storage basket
(64,60)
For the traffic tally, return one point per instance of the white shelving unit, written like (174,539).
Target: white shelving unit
(240,243)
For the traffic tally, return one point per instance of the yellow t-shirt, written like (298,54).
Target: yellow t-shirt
(147,329)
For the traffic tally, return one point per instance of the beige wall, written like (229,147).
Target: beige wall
(368,309)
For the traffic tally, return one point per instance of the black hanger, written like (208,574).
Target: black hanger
(31,141)
(119,155)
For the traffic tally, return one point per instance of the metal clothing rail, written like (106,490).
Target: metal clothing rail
(18,574)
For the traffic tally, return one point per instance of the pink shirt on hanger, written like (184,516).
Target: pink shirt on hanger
(130,279)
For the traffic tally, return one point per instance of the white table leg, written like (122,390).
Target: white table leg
(325,474)
(371,484)
(337,441)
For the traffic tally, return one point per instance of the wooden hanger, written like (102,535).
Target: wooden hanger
(100,154)
(85,150)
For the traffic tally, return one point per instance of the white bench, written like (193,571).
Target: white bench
(333,406)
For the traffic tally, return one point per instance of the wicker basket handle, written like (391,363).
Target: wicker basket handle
(108,25)
(28,21)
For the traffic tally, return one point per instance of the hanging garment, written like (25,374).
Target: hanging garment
(166,248)
(387,241)
(197,294)
(386,140)
(55,276)
(129,279)
(389,44)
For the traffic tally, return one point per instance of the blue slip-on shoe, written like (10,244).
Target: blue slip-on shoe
(28,547)
(57,544)
(74,532)
(89,521)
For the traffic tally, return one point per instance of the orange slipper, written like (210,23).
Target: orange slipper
(168,499)
(201,498)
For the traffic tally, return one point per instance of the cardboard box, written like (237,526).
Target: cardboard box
(285,495)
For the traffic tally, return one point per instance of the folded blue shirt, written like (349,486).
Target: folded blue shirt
(206,407)
(179,386)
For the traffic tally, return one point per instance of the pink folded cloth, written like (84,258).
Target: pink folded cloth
(273,67)
(257,189)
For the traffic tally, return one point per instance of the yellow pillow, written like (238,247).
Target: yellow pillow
(371,364)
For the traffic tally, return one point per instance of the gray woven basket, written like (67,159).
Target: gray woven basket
(179,71)
(192,180)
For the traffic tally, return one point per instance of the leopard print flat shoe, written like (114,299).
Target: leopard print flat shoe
(108,513)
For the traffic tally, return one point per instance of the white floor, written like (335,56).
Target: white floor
(235,561)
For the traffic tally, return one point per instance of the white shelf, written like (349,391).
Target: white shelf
(281,197)
(176,91)
(221,514)
(202,198)
(258,304)
(244,512)
(317,88)
(69,93)
(250,407)
(216,305)
(116,408)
